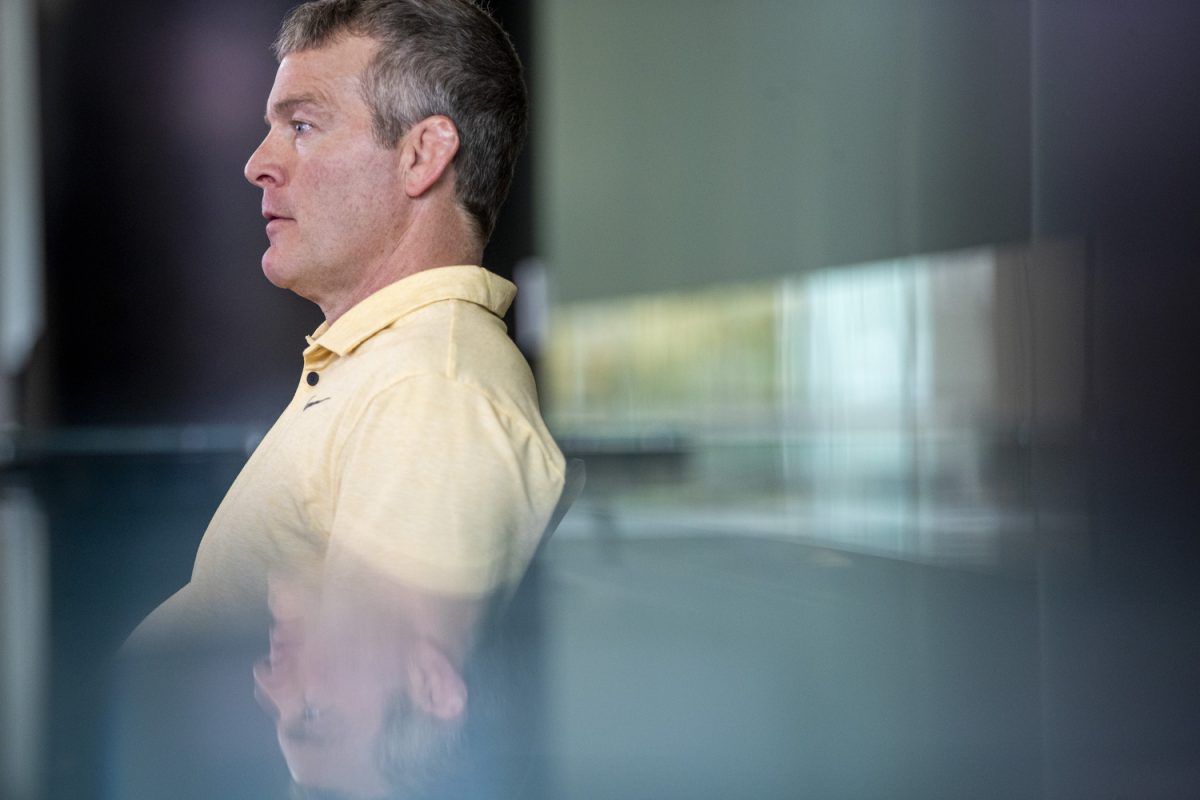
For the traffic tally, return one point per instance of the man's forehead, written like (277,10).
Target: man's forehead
(341,58)
(312,101)
(319,76)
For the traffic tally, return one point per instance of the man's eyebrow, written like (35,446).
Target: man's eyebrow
(284,108)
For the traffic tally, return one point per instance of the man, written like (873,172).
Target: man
(414,442)
(413,458)
(411,475)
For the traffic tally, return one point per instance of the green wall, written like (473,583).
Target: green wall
(689,142)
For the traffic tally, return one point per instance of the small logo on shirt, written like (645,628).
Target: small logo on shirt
(312,402)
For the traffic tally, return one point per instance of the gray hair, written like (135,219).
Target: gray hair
(435,57)
(414,752)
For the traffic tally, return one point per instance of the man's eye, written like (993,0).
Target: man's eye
(300,127)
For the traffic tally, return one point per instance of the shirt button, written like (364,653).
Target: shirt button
(313,378)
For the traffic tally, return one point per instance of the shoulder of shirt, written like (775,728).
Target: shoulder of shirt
(456,338)
(455,345)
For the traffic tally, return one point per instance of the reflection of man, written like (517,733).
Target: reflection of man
(365,682)
(414,443)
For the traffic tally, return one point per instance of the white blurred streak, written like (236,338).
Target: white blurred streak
(533,305)
(20,199)
(895,391)
(23,623)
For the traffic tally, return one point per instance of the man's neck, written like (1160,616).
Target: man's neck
(409,258)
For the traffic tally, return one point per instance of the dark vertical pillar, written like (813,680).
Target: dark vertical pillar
(1117,126)
(158,310)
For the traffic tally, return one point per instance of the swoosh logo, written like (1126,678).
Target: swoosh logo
(313,402)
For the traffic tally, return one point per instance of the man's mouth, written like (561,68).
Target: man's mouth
(275,221)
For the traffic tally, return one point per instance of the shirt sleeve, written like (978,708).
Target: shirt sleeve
(442,488)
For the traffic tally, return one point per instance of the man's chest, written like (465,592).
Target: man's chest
(282,504)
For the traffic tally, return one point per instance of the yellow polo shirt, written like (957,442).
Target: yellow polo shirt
(414,441)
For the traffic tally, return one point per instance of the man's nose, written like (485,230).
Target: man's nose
(264,166)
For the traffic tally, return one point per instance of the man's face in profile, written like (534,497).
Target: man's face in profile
(332,195)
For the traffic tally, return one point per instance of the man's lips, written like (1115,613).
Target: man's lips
(275,221)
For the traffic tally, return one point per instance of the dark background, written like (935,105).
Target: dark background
(157,309)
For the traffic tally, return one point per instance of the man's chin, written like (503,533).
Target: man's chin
(275,271)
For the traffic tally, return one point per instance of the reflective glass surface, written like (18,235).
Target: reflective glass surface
(912,557)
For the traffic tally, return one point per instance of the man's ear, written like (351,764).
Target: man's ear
(435,684)
(428,148)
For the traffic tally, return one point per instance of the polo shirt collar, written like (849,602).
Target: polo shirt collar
(384,307)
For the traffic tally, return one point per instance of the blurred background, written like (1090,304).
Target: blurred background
(873,321)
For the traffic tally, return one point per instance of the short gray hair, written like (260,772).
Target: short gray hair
(435,57)
(414,753)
